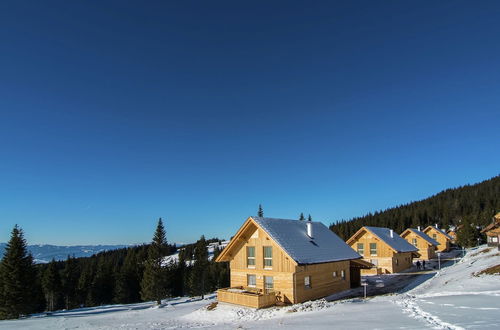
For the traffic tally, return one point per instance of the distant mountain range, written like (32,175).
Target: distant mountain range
(44,253)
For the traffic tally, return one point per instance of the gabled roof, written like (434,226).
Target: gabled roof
(491,226)
(291,236)
(396,242)
(422,235)
(439,230)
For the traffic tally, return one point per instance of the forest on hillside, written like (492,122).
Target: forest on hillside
(128,275)
(470,204)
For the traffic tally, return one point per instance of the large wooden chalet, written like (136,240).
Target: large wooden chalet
(385,249)
(492,231)
(426,246)
(440,236)
(288,261)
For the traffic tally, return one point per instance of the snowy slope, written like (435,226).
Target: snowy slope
(452,298)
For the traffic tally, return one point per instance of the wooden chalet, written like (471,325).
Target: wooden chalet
(288,261)
(440,236)
(492,232)
(385,249)
(426,246)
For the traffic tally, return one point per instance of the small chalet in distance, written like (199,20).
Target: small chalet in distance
(440,236)
(426,246)
(288,261)
(385,249)
(492,231)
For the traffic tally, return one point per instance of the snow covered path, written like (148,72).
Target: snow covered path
(452,298)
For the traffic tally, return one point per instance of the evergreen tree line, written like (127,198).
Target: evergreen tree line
(470,206)
(123,276)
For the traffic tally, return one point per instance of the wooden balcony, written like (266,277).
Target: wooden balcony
(250,297)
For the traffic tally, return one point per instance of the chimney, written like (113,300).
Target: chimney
(437,226)
(418,228)
(309,228)
(392,233)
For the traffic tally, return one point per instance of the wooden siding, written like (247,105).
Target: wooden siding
(427,251)
(444,242)
(323,283)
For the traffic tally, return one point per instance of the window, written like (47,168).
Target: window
(361,248)
(373,249)
(268,283)
(434,236)
(268,256)
(397,262)
(251,280)
(342,274)
(335,274)
(307,282)
(414,242)
(251,256)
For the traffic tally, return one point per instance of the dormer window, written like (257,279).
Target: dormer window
(268,257)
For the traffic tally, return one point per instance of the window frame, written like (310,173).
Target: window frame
(268,288)
(307,282)
(268,261)
(361,250)
(373,249)
(249,265)
(254,280)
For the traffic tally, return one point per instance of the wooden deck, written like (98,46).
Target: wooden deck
(246,297)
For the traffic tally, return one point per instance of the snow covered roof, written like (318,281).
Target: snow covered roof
(424,236)
(439,230)
(291,236)
(396,242)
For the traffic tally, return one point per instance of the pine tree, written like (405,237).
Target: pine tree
(198,273)
(18,278)
(301,217)
(467,235)
(127,283)
(260,212)
(309,218)
(154,285)
(51,283)
(70,276)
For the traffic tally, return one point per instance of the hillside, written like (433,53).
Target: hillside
(474,203)
(456,297)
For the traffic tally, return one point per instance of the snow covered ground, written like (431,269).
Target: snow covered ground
(452,298)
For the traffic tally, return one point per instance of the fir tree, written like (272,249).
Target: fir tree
(154,285)
(18,278)
(301,217)
(260,212)
(467,235)
(51,284)
(127,282)
(309,218)
(70,276)
(198,273)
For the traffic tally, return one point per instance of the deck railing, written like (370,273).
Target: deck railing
(250,297)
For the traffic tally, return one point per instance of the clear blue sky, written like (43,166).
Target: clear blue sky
(113,114)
